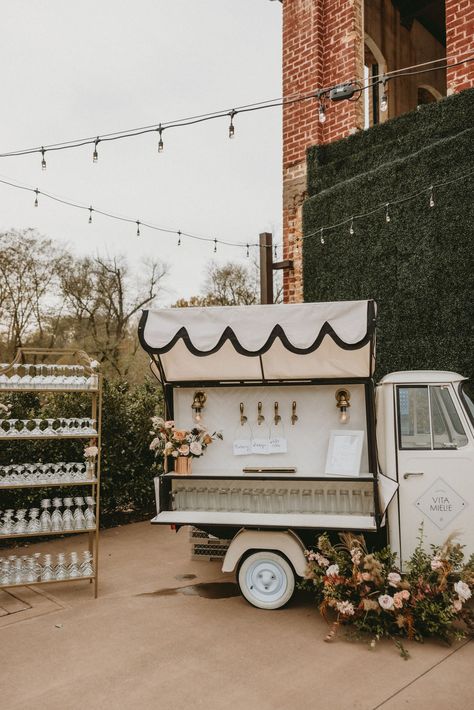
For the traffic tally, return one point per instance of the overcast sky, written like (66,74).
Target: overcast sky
(73,70)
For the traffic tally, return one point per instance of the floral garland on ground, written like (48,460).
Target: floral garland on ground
(170,441)
(368,592)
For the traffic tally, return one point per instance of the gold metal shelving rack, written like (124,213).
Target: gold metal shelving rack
(43,356)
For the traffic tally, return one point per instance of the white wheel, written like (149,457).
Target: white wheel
(266,580)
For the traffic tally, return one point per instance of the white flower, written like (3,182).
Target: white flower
(356,555)
(345,608)
(196,448)
(394,579)
(332,570)
(90,452)
(155,444)
(94,364)
(386,602)
(157,422)
(436,563)
(463,591)
(169,424)
(321,560)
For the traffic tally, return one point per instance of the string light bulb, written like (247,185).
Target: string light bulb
(321,237)
(275,252)
(432,202)
(95,154)
(43,159)
(231,124)
(138,228)
(248,251)
(36,197)
(351,228)
(90,214)
(179,237)
(387,213)
(322,113)
(215,245)
(384,98)
(160,142)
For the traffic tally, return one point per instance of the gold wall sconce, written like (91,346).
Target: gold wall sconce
(276,415)
(260,417)
(343,397)
(199,400)
(243,418)
(294,416)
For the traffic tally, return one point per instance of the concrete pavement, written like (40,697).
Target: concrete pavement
(139,648)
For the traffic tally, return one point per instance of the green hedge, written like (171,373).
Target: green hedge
(419,267)
(127,476)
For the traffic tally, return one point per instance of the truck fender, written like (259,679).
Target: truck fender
(286,542)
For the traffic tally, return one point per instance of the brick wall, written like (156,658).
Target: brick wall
(460,43)
(322,46)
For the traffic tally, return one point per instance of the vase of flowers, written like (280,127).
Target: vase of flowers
(90,455)
(181,445)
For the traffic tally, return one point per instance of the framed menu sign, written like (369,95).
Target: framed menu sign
(344,453)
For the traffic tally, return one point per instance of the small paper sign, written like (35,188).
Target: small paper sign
(242,447)
(260,446)
(277,445)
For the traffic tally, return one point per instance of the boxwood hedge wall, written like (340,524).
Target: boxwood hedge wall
(419,267)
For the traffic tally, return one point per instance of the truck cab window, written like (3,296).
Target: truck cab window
(467,395)
(448,432)
(428,419)
(414,418)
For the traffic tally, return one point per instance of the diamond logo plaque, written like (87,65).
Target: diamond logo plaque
(441,504)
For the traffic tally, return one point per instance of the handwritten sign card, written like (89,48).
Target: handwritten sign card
(344,453)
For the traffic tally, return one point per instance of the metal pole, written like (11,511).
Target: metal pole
(266,268)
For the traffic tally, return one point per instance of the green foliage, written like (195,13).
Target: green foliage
(419,266)
(128,465)
(367,592)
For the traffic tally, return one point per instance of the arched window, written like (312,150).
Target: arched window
(428,94)
(374,65)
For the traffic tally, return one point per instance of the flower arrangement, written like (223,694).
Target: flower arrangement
(367,591)
(170,441)
(90,453)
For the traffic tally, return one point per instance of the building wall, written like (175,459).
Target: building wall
(323,44)
(460,43)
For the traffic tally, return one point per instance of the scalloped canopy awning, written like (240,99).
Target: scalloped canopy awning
(256,343)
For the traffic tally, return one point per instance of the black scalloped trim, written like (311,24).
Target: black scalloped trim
(277,332)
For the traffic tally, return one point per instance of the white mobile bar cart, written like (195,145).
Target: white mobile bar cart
(279,382)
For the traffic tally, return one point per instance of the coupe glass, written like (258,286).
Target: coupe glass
(47,573)
(89,515)
(45,517)
(61,570)
(20,525)
(8,524)
(79,519)
(294,503)
(68,518)
(56,518)
(34,525)
(87,569)
(368,504)
(74,567)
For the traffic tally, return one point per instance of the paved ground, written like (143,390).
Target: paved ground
(133,648)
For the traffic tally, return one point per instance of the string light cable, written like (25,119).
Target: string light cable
(140,224)
(321,94)
(428,192)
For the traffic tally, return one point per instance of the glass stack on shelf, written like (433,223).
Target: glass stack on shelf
(33,372)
